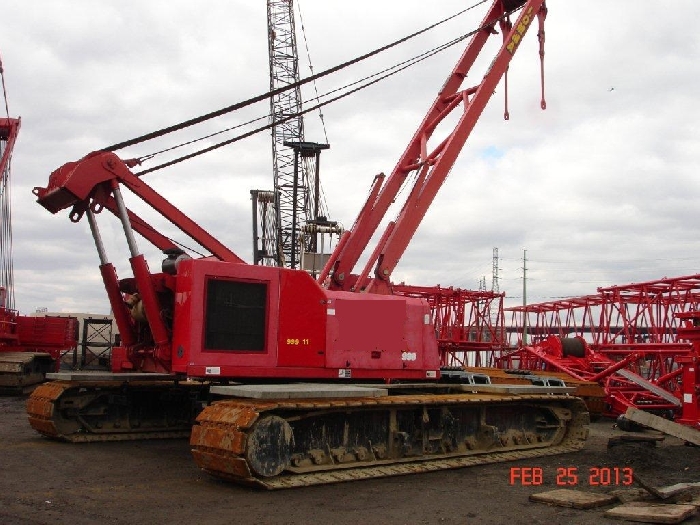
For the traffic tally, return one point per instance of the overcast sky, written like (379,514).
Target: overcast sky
(600,189)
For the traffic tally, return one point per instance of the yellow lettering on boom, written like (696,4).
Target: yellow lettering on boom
(519,32)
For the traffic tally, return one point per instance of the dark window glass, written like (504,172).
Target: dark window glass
(235,315)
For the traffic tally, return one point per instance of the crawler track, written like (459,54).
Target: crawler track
(114,410)
(294,443)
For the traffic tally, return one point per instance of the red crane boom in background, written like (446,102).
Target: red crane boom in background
(30,347)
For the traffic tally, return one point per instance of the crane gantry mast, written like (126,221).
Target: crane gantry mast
(281,217)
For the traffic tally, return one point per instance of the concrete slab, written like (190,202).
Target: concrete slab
(666,492)
(108,376)
(678,488)
(298,390)
(651,513)
(573,498)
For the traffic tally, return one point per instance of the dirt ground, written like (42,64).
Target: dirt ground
(154,482)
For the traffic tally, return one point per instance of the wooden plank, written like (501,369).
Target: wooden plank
(573,498)
(634,438)
(626,495)
(651,513)
(663,425)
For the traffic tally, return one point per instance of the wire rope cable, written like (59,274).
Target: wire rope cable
(362,83)
(271,93)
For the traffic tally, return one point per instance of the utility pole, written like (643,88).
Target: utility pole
(494,312)
(524,297)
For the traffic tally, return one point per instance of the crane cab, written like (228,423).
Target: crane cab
(238,320)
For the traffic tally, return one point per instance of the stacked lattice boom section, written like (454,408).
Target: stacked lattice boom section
(469,323)
(615,317)
(640,342)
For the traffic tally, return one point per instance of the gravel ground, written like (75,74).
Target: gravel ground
(154,482)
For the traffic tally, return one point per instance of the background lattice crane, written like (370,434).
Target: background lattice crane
(286,220)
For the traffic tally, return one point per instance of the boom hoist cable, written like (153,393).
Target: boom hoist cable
(370,80)
(339,93)
(487,27)
(311,68)
(4,90)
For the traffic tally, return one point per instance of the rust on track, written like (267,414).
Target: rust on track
(221,439)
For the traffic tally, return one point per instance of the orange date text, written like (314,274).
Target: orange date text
(572,476)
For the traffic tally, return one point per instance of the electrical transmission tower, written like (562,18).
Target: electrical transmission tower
(282,218)
(494,275)
(494,312)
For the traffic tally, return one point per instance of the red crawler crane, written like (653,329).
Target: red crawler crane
(221,320)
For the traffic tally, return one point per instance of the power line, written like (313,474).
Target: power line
(370,80)
(296,85)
